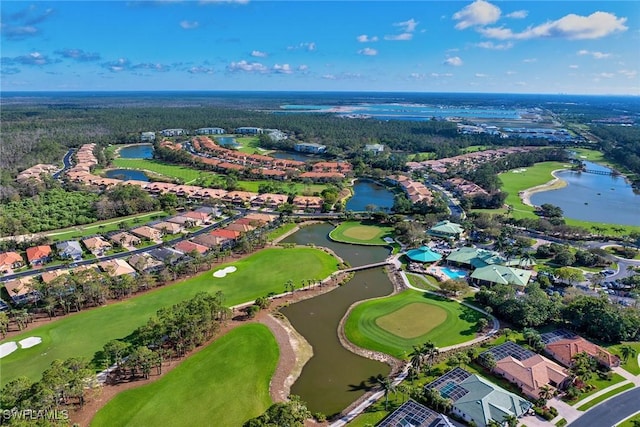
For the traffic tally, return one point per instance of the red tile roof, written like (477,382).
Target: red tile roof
(38,252)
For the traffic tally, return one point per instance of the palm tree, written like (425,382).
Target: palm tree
(545,392)
(510,420)
(416,359)
(387,386)
(627,351)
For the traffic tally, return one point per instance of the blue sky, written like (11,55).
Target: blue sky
(578,47)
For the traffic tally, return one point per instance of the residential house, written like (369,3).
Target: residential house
(36,172)
(145,263)
(210,131)
(501,274)
(70,250)
(147,136)
(148,233)
(526,369)
(476,399)
(263,218)
(49,276)
(212,211)
(310,147)
(124,239)
(239,197)
(413,414)
(374,148)
(10,261)
(208,240)
(186,247)
(564,350)
(168,227)
(229,236)
(199,218)
(269,200)
(173,132)
(182,220)
(241,228)
(117,267)
(166,255)
(312,203)
(39,255)
(97,245)
(248,130)
(446,229)
(21,291)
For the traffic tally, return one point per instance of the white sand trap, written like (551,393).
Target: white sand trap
(7,348)
(224,271)
(30,342)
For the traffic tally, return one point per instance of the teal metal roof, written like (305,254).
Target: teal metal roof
(423,254)
(502,274)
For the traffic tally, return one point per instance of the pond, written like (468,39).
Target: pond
(126,175)
(227,141)
(368,193)
(138,151)
(335,377)
(592,197)
(292,155)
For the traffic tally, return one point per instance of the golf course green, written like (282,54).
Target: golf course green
(393,325)
(361,233)
(84,333)
(224,384)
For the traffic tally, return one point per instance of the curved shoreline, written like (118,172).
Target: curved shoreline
(555,184)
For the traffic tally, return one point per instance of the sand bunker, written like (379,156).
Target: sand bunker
(30,342)
(7,348)
(224,271)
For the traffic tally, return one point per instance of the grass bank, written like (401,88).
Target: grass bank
(228,381)
(361,233)
(85,333)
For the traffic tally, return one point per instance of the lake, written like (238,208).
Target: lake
(138,151)
(292,155)
(591,197)
(126,175)
(365,193)
(334,377)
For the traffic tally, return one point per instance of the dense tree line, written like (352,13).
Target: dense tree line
(622,145)
(594,317)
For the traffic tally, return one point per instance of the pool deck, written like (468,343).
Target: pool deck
(437,272)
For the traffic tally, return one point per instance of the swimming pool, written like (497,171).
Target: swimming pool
(453,273)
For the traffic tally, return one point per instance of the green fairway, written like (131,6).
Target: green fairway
(361,233)
(250,145)
(413,320)
(84,333)
(459,324)
(224,384)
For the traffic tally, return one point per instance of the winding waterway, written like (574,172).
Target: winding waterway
(334,377)
(593,197)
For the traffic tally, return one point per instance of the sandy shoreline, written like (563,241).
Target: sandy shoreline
(555,184)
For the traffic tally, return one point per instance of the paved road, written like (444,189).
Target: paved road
(612,411)
(67,163)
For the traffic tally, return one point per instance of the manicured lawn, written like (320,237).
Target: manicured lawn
(629,422)
(631,365)
(361,233)
(605,396)
(362,327)
(297,187)
(228,381)
(84,333)
(187,175)
(411,321)
(600,384)
(250,144)
(284,228)
(428,283)
(105,226)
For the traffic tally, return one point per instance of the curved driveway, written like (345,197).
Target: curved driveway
(612,411)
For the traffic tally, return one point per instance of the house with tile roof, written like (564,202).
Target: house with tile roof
(97,245)
(208,240)
(21,291)
(167,227)
(241,228)
(49,276)
(39,255)
(186,246)
(145,263)
(199,217)
(533,373)
(476,399)
(124,239)
(116,267)
(564,350)
(166,255)
(10,261)
(148,233)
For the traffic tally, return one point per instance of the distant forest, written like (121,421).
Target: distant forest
(42,133)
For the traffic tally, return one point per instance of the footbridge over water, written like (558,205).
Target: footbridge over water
(367,266)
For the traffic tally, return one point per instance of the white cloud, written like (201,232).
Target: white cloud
(574,66)
(594,54)
(518,14)
(606,75)
(628,73)
(417,76)
(259,54)
(495,46)
(363,38)
(308,46)
(454,61)
(189,25)
(407,26)
(329,77)
(510,73)
(367,51)
(530,60)
(481,75)
(200,70)
(479,12)
(253,67)
(437,75)
(303,67)
(397,37)
(282,69)
(572,27)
